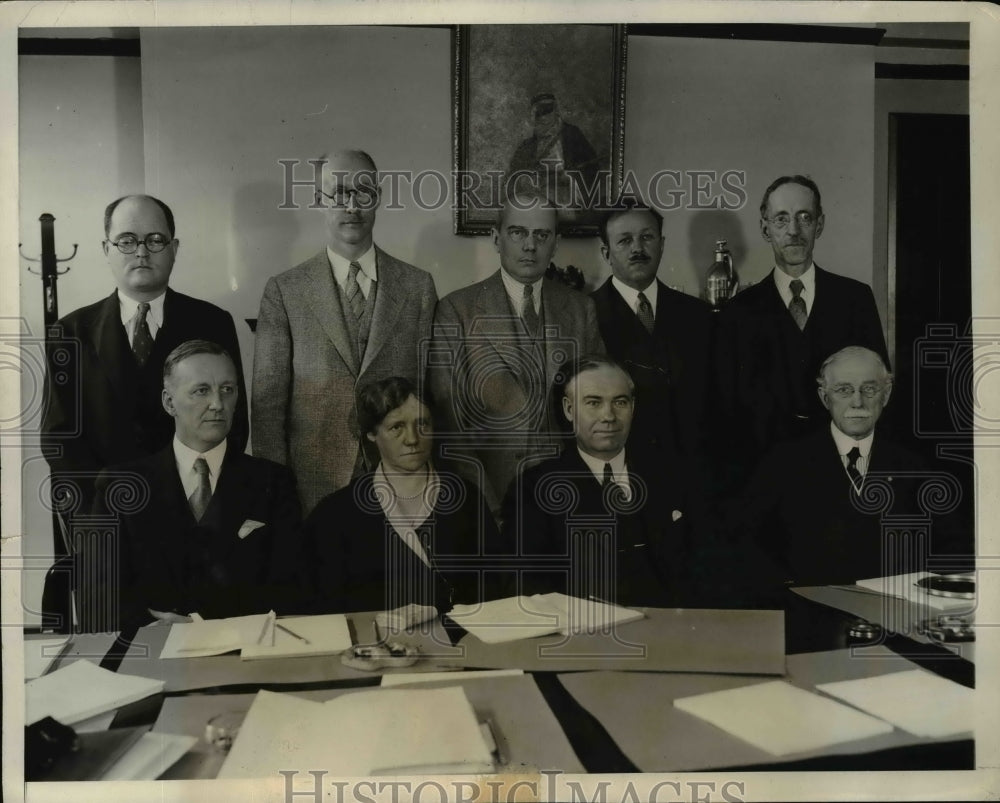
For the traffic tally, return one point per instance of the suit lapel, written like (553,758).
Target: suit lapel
(496,321)
(555,315)
(324,302)
(388,305)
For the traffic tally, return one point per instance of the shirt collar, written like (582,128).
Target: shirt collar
(129,307)
(631,295)
(784,282)
(342,266)
(186,456)
(596,464)
(845,442)
(515,289)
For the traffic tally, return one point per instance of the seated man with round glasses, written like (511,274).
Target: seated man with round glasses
(818,510)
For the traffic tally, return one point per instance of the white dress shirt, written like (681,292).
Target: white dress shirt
(631,295)
(515,292)
(845,443)
(783,282)
(130,314)
(618,470)
(185,457)
(367,274)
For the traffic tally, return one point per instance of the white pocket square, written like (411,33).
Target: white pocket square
(248,527)
(676,515)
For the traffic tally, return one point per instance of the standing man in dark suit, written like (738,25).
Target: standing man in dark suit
(350,315)
(773,336)
(807,513)
(603,520)
(103,405)
(661,336)
(204,527)
(498,347)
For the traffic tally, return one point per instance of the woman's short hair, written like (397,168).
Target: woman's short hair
(377,399)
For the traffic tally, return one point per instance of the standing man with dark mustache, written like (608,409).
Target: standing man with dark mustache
(661,336)
(773,336)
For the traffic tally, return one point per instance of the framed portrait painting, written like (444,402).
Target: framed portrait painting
(540,106)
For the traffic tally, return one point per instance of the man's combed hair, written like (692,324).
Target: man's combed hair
(110,210)
(622,207)
(190,348)
(851,351)
(804,181)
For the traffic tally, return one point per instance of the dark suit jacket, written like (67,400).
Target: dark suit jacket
(357,562)
(492,387)
(766,367)
(100,408)
(169,562)
(307,372)
(671,367)
(657,559)
(800,525)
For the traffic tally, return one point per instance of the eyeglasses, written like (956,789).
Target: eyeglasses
(805,219)
(364,198)
(845,391)
(518,234)
(128,243)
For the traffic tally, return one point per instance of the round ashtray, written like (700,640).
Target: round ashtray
(864,631)
(386,655)
(954,586)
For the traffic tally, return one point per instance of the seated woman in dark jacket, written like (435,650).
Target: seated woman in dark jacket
(405,537)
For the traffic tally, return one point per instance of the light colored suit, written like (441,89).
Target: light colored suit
(307,371)
(492,384)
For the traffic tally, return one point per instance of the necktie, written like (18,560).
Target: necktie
(142,340)
(614,496)
(355,298)
(201,495)
(645,313)
(797,306)
(528,314)
(609,476)
(852,467)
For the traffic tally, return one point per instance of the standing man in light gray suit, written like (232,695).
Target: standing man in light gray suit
(498,348)
(350,315)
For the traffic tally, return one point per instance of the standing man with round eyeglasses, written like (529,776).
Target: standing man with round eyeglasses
(105,362)
(773,336)
(350,315)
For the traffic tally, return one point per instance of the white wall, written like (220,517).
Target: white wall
(80,147)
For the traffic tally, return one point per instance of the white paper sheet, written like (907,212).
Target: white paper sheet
(916,701)
(327,635)
(905,586)
(207,637)
(361,733)
(516,618)
(83,690)
(150,757)
(780,718)
(39,655)
(407,678)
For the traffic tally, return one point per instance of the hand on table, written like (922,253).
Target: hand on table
(405,617)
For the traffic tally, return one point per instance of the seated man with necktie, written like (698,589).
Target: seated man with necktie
(601,520)
(825,509)
(201,527)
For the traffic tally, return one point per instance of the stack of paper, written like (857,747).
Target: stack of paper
(916,701)
(517,618)
(217,636)
(361,733)
(304,635)
(905,586)
(83,690)
(781,718)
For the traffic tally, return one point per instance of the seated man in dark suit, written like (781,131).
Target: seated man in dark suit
(201,526)
(602,521)
(826,508)
(661,336)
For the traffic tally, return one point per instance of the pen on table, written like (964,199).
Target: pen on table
(268,620)
(292,633)
(598,599)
